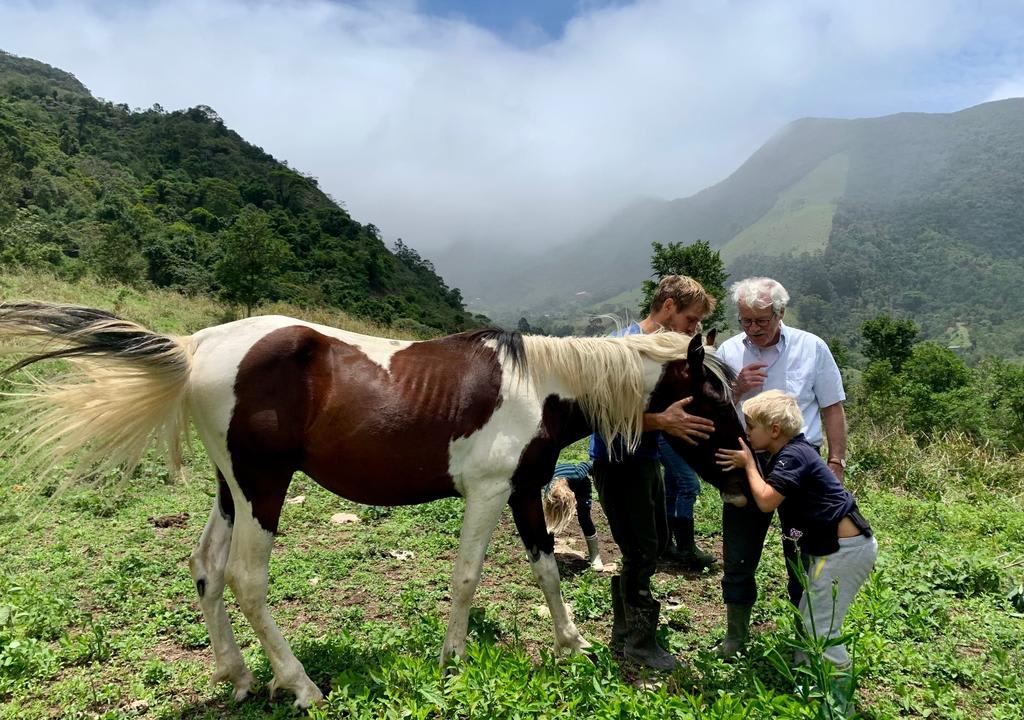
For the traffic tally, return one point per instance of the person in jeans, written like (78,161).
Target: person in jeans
(682,486)
(836,545)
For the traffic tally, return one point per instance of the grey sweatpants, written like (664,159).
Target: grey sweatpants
(847,568)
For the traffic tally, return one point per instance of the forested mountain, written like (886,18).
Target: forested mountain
(179,200)
(915,214)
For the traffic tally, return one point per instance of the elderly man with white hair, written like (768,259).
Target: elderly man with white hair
(769,355)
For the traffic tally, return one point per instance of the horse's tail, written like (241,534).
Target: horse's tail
(559,506)
(126,387)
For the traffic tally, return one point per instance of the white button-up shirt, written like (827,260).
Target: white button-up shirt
(800,364)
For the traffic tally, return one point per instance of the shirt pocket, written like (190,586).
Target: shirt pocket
(800,383)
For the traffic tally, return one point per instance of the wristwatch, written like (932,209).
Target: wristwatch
(840,461)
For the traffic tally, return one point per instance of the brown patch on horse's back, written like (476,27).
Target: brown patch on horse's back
(375,435)
(457,376)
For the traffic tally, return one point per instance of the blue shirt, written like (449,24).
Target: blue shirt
(573,471)
(815,499)
(800,364)
(648,447)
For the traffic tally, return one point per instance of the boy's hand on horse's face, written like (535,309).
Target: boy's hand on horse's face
(734,459)
(691,428)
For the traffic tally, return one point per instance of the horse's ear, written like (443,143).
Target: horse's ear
(695,356)
(711,337)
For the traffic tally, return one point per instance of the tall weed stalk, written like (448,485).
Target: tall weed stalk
(813,677)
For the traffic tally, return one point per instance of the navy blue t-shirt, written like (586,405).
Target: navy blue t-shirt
(648,447)
(815,499)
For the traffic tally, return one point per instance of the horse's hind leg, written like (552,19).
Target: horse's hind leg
(528,513)
(480,517)
(207,564)
(247,573)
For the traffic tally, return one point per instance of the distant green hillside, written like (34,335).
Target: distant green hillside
(156,197)
(801,218)
(912,214)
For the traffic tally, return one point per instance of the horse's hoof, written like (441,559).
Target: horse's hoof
(305,691)
(451,665)
(307,697)
(450,658)
(242,686)
(576,645)
(240,678)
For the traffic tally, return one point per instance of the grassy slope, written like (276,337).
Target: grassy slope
(164,310)
(98,616)
(801,219)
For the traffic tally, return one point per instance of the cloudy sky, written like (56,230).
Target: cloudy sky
(523,121)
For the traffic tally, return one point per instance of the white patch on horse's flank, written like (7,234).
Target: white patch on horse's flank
(494,450)
(211,399)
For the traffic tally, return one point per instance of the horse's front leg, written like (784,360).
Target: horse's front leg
(528,512)
(480,517)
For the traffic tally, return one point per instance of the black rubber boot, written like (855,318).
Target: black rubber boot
(737,631)
(618,616)
(685,550)
(641,642)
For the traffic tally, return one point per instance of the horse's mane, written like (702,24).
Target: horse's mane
(606,375)
(509,344)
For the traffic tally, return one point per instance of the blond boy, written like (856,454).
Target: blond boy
(836,542)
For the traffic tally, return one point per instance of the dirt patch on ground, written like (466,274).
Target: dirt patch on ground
(179,520)
(169,651)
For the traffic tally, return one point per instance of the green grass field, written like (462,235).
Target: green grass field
(99,619)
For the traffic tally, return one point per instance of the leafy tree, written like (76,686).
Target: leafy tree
(23,244)
(814,313)
(596,326)
(180,257)
(254,257)
(936,368)
(698,261)
(1000,386)
(127,226)
(886,338)
(935,391)
(879,385)
(840,353)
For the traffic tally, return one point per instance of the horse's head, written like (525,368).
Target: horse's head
(707,380)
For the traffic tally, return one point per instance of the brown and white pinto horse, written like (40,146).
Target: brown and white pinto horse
(482,414)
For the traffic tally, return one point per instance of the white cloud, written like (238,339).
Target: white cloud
(1008,89)
(436,130)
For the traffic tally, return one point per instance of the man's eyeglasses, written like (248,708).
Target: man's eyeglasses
(760,322)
